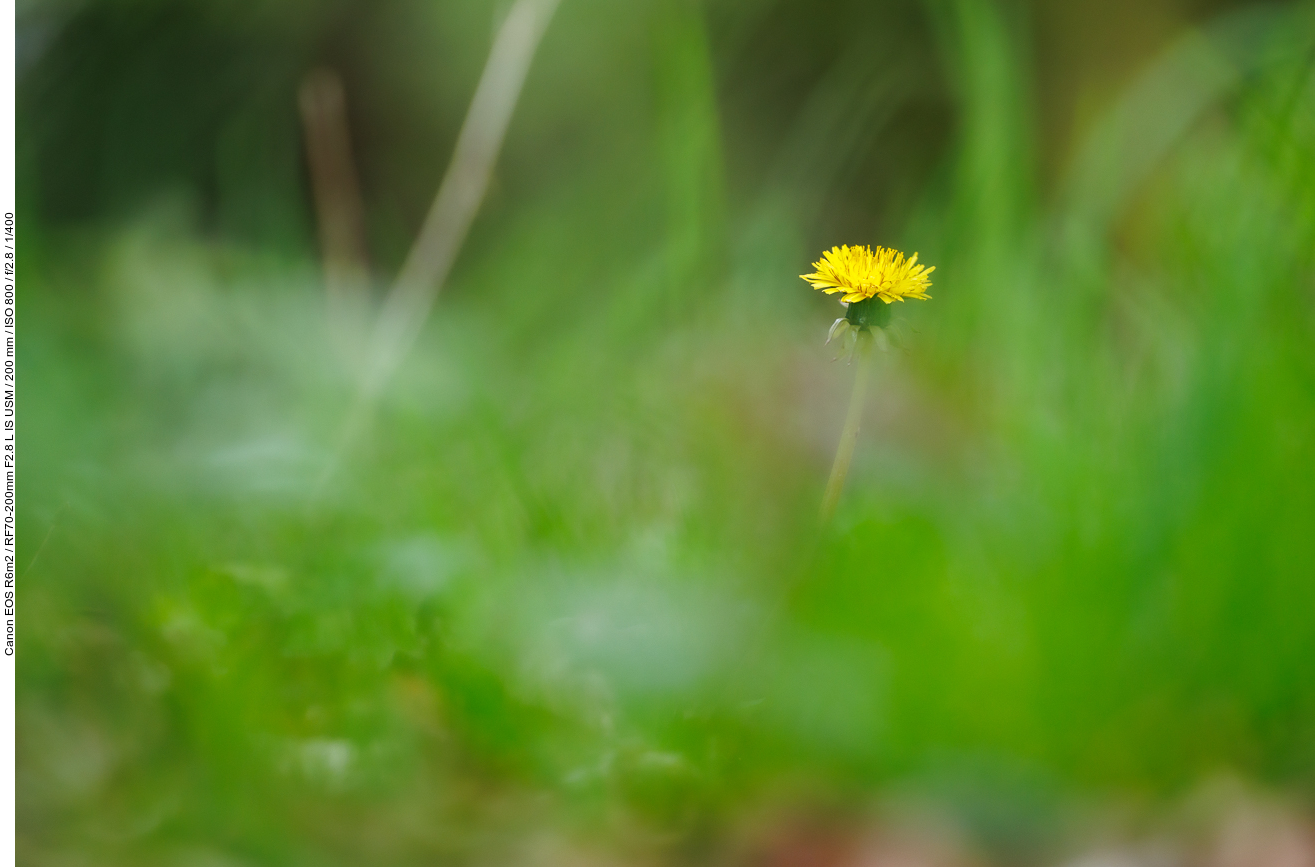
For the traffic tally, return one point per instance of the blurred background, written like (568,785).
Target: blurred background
(559,595)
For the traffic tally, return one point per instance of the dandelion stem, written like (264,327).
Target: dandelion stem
(849,436)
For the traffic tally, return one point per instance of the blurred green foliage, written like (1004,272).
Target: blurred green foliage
(572,581)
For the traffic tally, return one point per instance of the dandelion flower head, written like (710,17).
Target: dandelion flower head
(862,273)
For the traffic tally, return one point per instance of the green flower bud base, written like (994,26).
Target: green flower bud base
(868,313)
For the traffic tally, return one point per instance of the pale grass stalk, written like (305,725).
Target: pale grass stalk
(412,295)
(459,196)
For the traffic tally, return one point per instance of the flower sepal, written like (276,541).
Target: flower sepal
(868,313)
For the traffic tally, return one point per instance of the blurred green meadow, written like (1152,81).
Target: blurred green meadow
(566,599)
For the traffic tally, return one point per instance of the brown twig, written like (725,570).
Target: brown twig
(338,208)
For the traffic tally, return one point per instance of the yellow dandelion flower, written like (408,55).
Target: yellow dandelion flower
(863,278)
(861,273)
